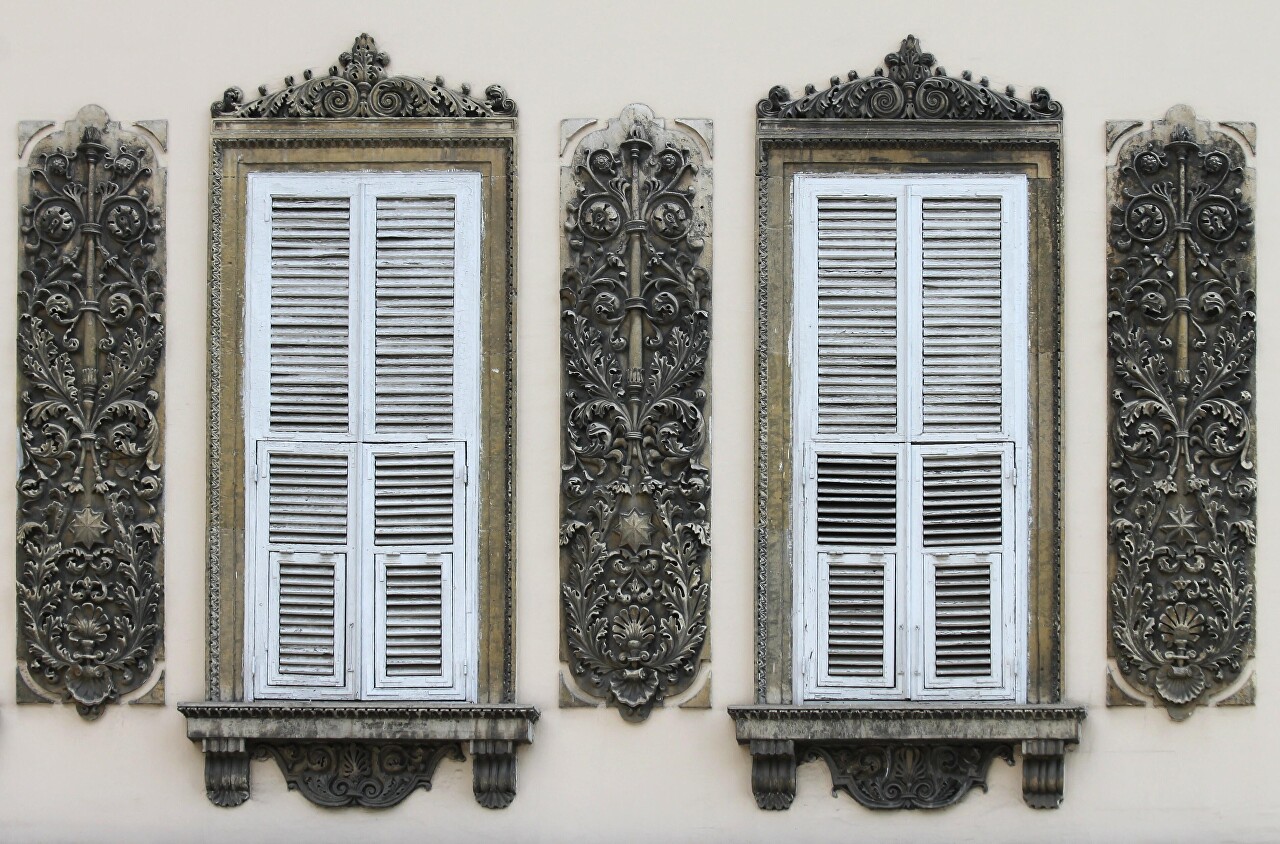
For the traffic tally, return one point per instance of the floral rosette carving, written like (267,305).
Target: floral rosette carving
(90,340)
(1182,334)
(912,89)
(635,335)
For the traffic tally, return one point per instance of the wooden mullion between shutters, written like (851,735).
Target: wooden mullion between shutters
(967,539)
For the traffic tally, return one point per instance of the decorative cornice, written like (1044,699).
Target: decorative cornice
(913,89)
(412,712)
(635,336)
(359,86)
(1182,335)
(907,713)
(90,384)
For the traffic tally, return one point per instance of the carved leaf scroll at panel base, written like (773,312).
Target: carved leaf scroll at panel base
(1181,335)
(90,347)
(635,335)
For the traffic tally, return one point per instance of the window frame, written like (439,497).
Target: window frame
(241,147)
(788,147)
(360,640)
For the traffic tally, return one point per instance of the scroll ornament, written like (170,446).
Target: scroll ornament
(635,335)
(1182,334)
(90,341)
(359,86)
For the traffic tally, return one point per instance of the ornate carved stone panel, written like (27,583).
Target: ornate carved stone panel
(909,776)
(352,773)
(635,332)
(90,421)
(1181,335)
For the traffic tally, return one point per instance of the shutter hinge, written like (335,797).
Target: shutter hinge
(259,462)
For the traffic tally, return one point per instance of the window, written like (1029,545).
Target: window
(360,542)
(910,448)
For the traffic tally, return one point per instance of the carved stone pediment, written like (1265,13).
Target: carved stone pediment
(913,88)
(360,86)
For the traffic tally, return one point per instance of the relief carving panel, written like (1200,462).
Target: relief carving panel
(635,333)
(90,349)
(1182,335)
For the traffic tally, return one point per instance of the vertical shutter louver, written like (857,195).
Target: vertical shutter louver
(962,334)
(416,522)
(309,544)
(857,533)
(310,307)
(857,315)
(414,322)
(965,502)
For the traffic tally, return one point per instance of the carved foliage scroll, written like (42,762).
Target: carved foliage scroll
(913,89)
(1181,335)
(359,86)
(635,335)
(909,776)
(90,345)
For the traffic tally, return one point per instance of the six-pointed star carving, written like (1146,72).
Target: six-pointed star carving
(634,529)
(87,527)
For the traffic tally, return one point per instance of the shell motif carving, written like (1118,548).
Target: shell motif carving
(1182,334)
(90,483)
(635,325)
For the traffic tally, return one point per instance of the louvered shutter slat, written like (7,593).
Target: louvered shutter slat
(857,285)
(418,513)
(966,499)
(414,319)
(307,499)
(309,314)
(962,315)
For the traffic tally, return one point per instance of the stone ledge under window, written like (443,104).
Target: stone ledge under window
(907,756)
(358,754)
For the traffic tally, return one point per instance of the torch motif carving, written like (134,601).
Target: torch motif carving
(90,342)
(635,334)
(1181,332)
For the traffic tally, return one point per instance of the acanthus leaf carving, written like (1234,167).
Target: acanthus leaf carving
(912,89)
(360,86)
(90,346)
(375,775)
(635,333)
(898,775)
(1181,335)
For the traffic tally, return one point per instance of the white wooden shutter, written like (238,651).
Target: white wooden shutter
(858,315)
(419,608)
(965,536)
(414,324)
(306,499)
(858,513)
(309,315)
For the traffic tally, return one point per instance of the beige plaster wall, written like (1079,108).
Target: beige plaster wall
(1137,776)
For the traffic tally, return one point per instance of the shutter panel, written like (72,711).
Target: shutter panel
(417,529)
(962,334)
(310,314)
(414,322)
(306,500)
(858,326)
(966,503)
(859,515)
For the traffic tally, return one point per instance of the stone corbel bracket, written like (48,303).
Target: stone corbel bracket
(635,489)
(899,757)
(369,755)
(91,285)
(1182,338)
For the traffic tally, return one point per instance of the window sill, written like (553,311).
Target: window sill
(907,755)
(358,754)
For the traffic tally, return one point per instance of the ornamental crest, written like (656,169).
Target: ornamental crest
(635,332)
(1181,336)
(359,86)
(912,89)
(90,346)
